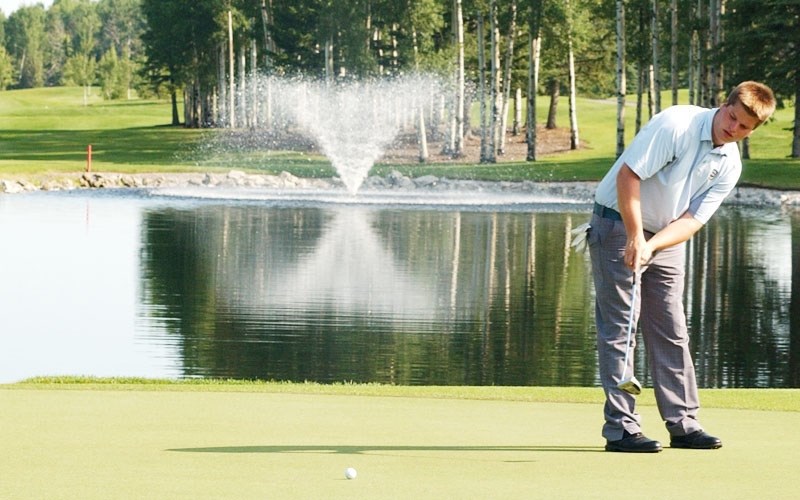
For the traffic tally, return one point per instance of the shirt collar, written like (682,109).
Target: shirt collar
(705,127)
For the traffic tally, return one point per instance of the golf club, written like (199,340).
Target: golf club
(630,384)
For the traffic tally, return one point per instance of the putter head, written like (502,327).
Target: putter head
(630,385)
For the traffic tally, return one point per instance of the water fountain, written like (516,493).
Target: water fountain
(354,122)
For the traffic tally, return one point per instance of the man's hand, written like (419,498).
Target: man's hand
(637,252)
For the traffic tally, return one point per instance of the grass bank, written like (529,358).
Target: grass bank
(742,399)
(47,131)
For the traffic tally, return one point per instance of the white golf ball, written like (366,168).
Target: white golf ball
(350,473)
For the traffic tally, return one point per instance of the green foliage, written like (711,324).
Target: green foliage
(6,69)
(114,75)
(763,43)
(80,69)
(181,41)
(24,42)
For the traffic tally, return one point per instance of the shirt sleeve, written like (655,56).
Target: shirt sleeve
(703,206)
(653,147)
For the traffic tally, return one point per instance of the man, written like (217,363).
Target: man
(663,189)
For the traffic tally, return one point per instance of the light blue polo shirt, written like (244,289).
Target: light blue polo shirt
(679,166)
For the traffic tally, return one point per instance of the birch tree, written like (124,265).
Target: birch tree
(574,141)
(509,61)
(458,133)
(485,153)
(535,44)
(656,64)
(621,84)
(495,91)
(715,9)
(673,51)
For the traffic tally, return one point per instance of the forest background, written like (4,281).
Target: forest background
(493,51)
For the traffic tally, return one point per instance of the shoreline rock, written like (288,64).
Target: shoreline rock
(580,191)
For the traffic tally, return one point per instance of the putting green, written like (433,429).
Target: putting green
(76,443)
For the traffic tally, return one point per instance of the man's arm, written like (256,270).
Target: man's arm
(638,250)
(677,231)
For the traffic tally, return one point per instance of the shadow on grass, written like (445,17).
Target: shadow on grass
(358,450)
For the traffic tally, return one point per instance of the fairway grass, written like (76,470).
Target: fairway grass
(129,439)
(45,133)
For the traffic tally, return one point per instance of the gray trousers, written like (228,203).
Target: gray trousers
(660,313)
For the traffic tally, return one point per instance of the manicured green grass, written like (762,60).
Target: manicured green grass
(128,439)
(49,130)
(44,131)
(743,399)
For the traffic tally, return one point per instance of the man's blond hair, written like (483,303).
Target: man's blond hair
(755,97)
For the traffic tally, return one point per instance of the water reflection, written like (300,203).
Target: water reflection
(365,294)
(403,295)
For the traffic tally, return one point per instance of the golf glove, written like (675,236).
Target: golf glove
(579,240)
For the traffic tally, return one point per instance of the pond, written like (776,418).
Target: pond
(131,283)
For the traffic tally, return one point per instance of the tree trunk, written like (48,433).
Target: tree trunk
(458,150)
(438,116)
(714,38)
(422,136)
(254,102)
(574,140)
(484,156)
(796,134)
(187,107)
(692,72)
(265,26)
(329,59)
(176,120)
(640,81)
(621,84)
(651,91)
(495,89)
(221,110)
(656,78)
(512,30)
(702,68)
(673,52)
(395,51)
(242,87)
(533,79)
(554,89)
(517,112)
(231,79)
(719,39)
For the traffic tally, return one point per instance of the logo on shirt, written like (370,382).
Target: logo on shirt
(713,174)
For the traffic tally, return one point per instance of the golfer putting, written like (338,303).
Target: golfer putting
(662,189)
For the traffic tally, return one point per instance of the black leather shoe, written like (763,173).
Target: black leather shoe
(698,440)
(634,443)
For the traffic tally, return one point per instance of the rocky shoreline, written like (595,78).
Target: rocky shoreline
(577,191)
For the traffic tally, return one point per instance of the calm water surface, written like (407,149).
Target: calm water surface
(127,284)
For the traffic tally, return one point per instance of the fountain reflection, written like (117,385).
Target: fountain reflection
(349,270)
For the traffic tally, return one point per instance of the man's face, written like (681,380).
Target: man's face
(732,123)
